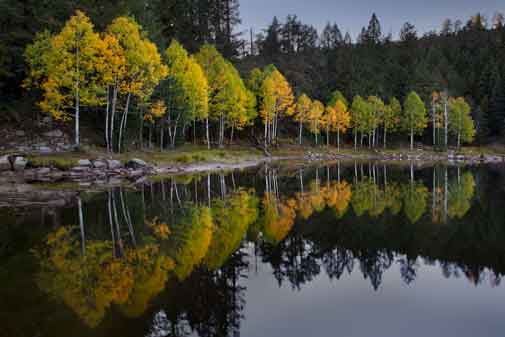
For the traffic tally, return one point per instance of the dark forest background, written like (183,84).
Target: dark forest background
(465,57)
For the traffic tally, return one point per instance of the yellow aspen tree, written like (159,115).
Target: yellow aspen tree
(315,118)
(342,120)
(143,68)
(278,100)
(302,109)
(185,90)
(328,121)
(392,114)
(67,69)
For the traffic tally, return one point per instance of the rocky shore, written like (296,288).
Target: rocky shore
(16,168)
(450,158)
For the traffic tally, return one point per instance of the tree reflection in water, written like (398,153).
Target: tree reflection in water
(184,267)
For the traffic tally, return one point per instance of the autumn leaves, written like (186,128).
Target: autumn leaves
(120,70)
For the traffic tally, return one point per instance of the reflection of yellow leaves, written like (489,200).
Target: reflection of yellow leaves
(160,229)
(150,275)
(90,284)
(279,218)
(232,218)
(197,235)
(338,197)
(304,207)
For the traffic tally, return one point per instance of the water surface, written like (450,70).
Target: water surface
(340,250)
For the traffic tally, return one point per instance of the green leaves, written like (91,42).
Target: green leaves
(414,117)
(460,122)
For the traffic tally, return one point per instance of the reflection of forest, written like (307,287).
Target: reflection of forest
(172,250)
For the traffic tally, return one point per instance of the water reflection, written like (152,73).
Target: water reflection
(168,259)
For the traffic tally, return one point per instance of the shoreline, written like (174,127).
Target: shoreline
(102,171)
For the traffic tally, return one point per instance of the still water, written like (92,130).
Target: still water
(338,250)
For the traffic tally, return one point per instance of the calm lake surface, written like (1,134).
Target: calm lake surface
(340,250)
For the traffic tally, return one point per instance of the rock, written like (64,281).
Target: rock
(20,133)
(84,163)
(113,164)
(493,159)
(136,163)
(136,173)
(44,149)
(19,164)
(99,164)
(77,169)
(43,170)
(5,164)
(54,134)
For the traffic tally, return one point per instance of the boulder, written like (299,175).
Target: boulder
(5,164)
(136,163)
(84,163)
(80,169)
(19,164)
(43,170)
(100,164)
(54,134)
(44,149)
(113,164)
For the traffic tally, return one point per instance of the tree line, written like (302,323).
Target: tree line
(462,59)
(108,72)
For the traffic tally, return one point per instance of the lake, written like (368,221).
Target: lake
(343,249)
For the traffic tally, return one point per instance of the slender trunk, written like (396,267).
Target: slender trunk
(434,125)
(141,129)
(355,141)
(150,135)
(328,136)
(107,121)
(221,131)
(174,136)
(411,172)
(446,124)
(207,132)
(194,132)
(113,116)
(231,134)
(411,139)
(300,132)
(208,189)
(77,101)
(118,229)
(126,216)
(446,192)
(111,222)
(81,226)
(266,133)
(122,126)
(385,136)
(338,139)
(161,136)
